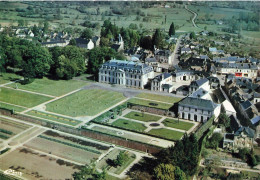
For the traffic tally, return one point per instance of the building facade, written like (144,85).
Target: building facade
(247,70)
(162,82)
(201,83)
(127,73)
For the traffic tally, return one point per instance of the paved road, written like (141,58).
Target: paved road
(175,56)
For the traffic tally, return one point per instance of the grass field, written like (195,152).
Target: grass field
(85,102)
(135,126)
(11,107)
(166,133)
(150,103)
(51,87)
(142,116)
(21,98)
(7,77)
(156,97)
(54,118)
(178,125)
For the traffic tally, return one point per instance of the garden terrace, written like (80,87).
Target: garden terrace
(174,123)
(142,116)
(167,134)
(156,97)
(131,125)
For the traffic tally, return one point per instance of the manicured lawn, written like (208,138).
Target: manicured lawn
(135,126)
(54,118)
(168,99)
(166,133)
(142,116)
(51,87)
(85,102)
(178,125)
(150,103)
(11,107)
(7,77)
(21,98)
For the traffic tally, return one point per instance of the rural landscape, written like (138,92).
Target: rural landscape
(148,90)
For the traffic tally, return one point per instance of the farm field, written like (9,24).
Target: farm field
(54,118)
(35,165)
(148,103)
(174,123)
(166,133)
(21,98)
(131,125)
(51,87)
(85,102)
(7,77)
(156,97)
(10,128)
(142,116)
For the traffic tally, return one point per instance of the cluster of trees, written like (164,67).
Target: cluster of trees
(121,158)
(249,156)
(214,141)
(90,172)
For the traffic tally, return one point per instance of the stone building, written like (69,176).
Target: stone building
(127,73)
(163,56)
(184,75)
(201,83)
(162,82)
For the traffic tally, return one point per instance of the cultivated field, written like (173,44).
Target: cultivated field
(156,97)
(54,118)
(166,133)
(35,165)
(85,102)
(51,87)
(174,123)
(20,98)
(131,125)
(142,116)
(149,103)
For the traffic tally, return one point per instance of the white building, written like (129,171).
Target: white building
(162,82)
(163,56)
(127,73)
(201,83)
(184,75)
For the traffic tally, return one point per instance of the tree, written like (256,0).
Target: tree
(146,42)
(46,26)
(224,119)
(192,35)
(158,39)
(20,22)
(73,42)
(169,172)
(214,141)
(172,30)
(121,158)
(87,34)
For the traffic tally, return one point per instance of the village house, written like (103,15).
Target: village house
(201,83)
(118,45)
(163,56)
(127,73)
(162,82)
(247,70)
(184,75)
(85,43)
(185,51)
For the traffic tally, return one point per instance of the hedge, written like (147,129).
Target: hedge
(6,131)
(3,151)
(3,136)
(199,133)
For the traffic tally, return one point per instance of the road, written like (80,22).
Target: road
(194,17)
(175,56)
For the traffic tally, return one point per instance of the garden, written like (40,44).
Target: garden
(174,123)
(142,116)
(167,134)
(131,125)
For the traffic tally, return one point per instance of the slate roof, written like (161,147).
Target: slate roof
(82,42)
(245,105)
(198,103)
(250,132)
(199,82)
(115,46)
(255,120)
(166,53)
(161,77)
(234,124)
(213,49)
(239,66)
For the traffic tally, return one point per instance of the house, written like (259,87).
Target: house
(163,56)
(247,70)
(201,83)
(85,43)
(96,41)
(185,50)
(201,93)
(118,45)
(60,43)
(127,73)
(197,109)
(214,82)
(256,97)
(151,61)
(184,75)
(162,82)
(228,108)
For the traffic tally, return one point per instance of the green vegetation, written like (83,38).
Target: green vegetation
(214,141)
(11,107)
(169,172)
(7,77)
(167,134)
(3,151)
(85,102)
(55,118)
(148,103)
(142,116)
(174,123)
(51,87)
(199,133)
(21,98)
(168,99)
(126,159)
(6,131)
(3,136)
(90,172)
(127,124)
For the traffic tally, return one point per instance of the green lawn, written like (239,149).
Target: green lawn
(11,107)
(51,87)
(85,102)
(21,98)
(150,103)
(135,126)
(168,99)
(54,118)
(178,125)
(7,77)
(166,133)
(142,116)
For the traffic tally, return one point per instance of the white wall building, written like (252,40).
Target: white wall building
(162,82)
(127,73)
(201,83)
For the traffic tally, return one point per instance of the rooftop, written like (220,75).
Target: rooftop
(198,103)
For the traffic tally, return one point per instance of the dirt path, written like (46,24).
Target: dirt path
(194,17)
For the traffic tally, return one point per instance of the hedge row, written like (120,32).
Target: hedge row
(3,136)
(199,133)
(69,144)
(3,151)
(6,131)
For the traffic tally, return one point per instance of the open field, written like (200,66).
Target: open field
(21,98)
(131,125)
(11,107)
(174,123)
(35,165)
(54,118)
(156,97)
(51,87)
(142,116)
(85,102)
(7,77)
(166,133)
(148,103)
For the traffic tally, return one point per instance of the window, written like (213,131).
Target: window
(195,110)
